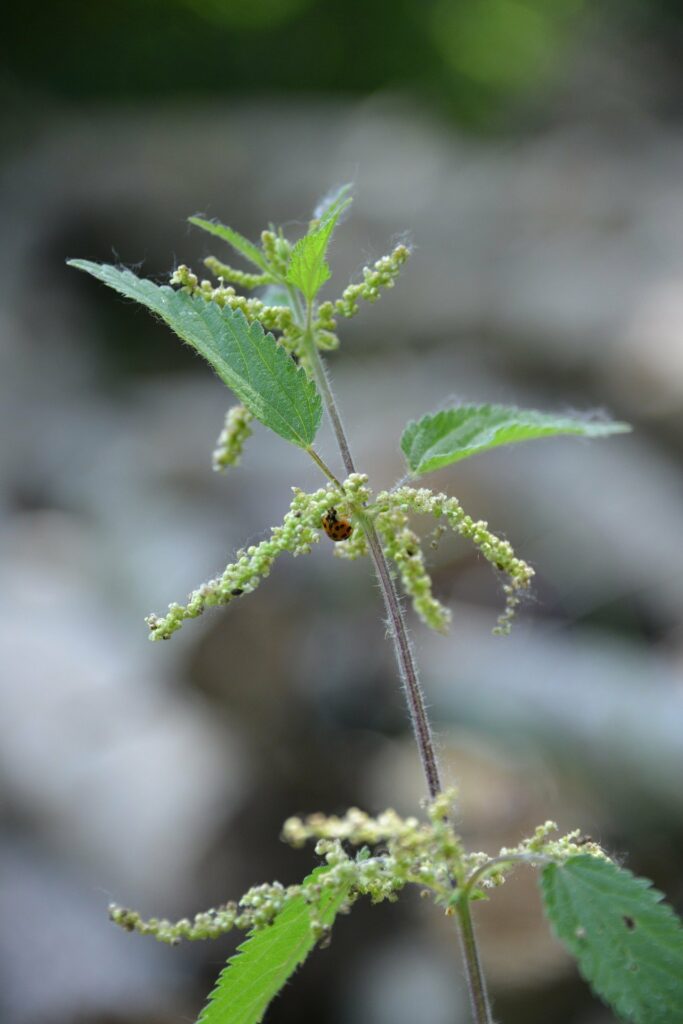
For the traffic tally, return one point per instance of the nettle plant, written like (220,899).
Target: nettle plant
(268,350)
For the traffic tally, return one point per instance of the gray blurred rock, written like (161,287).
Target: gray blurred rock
(62,960)
(112,767)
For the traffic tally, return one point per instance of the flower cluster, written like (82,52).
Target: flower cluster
(276,250)
(382,274)
(301,528)
(391,508)
(538,849)
(280,318)
(402,545)
(224,272)
(391,852)
(430,854)
(230,443)
(256,909)
(277,318)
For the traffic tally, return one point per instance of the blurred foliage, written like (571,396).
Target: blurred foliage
(473,58)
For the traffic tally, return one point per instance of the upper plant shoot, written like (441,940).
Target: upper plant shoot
(308,269)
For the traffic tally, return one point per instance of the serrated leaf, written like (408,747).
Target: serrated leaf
(629,945)
(238,242)
(308,269)
(454,434)
(263,964)
(249,361)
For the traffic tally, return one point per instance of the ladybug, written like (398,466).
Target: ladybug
(336,529)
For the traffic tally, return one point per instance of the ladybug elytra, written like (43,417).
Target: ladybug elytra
(336,529)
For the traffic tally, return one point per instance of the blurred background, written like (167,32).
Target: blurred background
(533,152)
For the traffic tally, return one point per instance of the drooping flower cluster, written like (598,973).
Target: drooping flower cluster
(256,909)
(402,546)
(230,443)
(391,853)
(301,529)
(400,542)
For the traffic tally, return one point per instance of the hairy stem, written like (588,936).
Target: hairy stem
(321,464)
(397,626)
(515,858)
(479,999)
(407,669)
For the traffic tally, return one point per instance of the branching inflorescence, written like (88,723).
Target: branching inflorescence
(301,529)
(374,857)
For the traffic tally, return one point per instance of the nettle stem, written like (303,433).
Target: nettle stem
(407,670)
(396,621)
(476,982)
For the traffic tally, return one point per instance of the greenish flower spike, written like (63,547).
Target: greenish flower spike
(230,444)
(392,852)
(391,507)
(299,531)
(277,251)
(382,274)
(429,854)
(241,277)
(402,546)
(271,317)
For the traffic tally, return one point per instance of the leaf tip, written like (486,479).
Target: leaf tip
(337,199)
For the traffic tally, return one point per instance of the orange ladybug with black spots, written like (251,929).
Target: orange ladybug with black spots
(336,527)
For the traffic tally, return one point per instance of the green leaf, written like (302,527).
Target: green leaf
(629,945)
(249,361)
(308,269)
(241,244)
(264,963)
(454,434)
